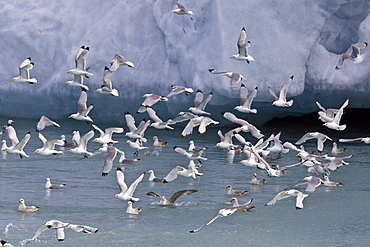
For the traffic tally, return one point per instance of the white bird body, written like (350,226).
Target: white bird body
(107,87)
(106,135)
(243,48)
(287,193)
(281,100)
(48,146)
(132,210)
(49,185)
(181,10)
(28,209)
(119,60)
(126,193)
(82,146)
(200,104)
(24,71)
(78,81)
(83,110)
(80,61)
(246,100)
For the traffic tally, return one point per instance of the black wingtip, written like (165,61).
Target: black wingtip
(292,77)
(211,70)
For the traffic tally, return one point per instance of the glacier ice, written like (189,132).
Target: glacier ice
(295,37)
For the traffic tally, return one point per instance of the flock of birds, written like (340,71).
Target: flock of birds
(256,155)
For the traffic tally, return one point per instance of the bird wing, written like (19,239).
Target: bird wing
(102,133)
(42,139)
(121,180)
(152,193)
(76,138)
(180,150)
(42,228)
(241,39)
(198,98)
(232,118)
(24,68)
(132,187)
(284,89)
(204,103)
(152,114)
(110,131)
(172,175)
(243,94)
(12,135)
(130,122)
(311,186)
(304,138)
(177,194)
(273,94)
(182,7)
(279,196)
(213,71)
(249,99)
(209,222)
(299,200)
(356,48)
(234,79)
(85,138)
(117,60)
(350,140)
(23,142)
(81,58)
(106,78)
(81,103)
(109,158)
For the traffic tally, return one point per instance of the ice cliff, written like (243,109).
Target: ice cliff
(291,37)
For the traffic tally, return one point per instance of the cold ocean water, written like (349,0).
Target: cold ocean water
(331,216)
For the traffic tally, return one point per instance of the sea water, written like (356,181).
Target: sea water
(331,216)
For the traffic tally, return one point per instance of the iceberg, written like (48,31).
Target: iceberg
(295,37)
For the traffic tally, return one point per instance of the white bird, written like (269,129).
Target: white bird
(119,60)
(136,132)
(56,225)
(109,158)
(326,115)
(193,148)
(200,104)
(106,135)
(312,181)
(256,181)
(221,213)
(18,147)
(28,209)
(365,140)
(80,61)
(153,178)
(354,56)
(232,192)
(82,146)
(192,171)
(124,160)
(107,87)
(132,210)
(49,185)
(126,193)
(335,123)
(181,10)
(235,78)
(321,138)
(329,183)
(48,146)
(287,193)
(24,72)
(335,150)
(246,206)
(179,89)
(226,140)
(243,48)
(83,228)
(158,123)
(246,100)
(189,155)
(78,81)
(173,198)
(150,99)
(276,145)
(45,122)
(336,162)
(183,116)
(157,143)
(137,145)
(245,126)
(281,100)
(83,111)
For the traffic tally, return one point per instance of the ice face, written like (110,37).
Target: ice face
(300,38)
